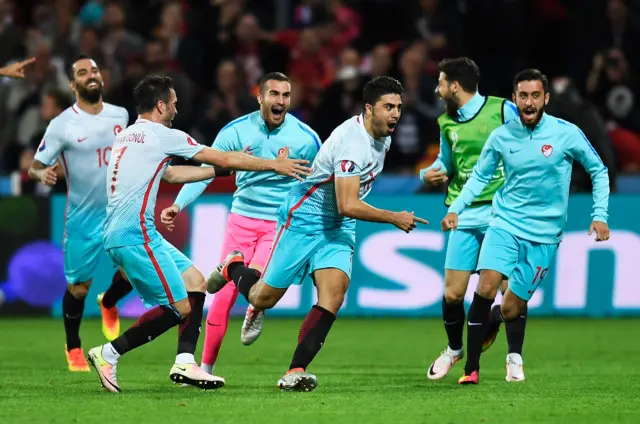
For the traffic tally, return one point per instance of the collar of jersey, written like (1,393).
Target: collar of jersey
(263,124)
(472,107)
(543,121)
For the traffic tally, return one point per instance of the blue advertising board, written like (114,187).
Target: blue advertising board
(398,274)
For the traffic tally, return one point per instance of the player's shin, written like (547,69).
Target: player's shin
(189,330)
(515,331)
(477,327)
(453,316)
(72,310)
(150,325)
(313,333)
(120,287)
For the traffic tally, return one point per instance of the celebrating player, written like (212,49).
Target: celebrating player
(161,274)
(316,225)
(530,211)
(464,129)
(251,225)
(82,137)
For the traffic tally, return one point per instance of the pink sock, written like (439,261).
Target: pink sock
(218,315)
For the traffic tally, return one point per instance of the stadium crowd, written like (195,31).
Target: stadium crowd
(216,51)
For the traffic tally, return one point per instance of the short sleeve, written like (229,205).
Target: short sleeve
(52,143)
(227,140)
(349,159)
(178,143)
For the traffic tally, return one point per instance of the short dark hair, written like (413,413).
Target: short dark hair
(61,98)
(272,76)
(150,90)
(378,87)
(531,75)
(70,72)
(463,70)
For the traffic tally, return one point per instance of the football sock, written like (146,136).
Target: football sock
(244,277)
(515,332)
(217,323)
(453,317)
(72,310)
(119,288)
(313,333)
(189,329)
(495,319)
(477,328)
(150,325)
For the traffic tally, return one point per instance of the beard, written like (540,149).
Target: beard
(91,96)
(534,123)
(451,107)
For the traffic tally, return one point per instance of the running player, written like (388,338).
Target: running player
(82,137)
(159,272)
(316,225)
(464,129)
(251,225)
(530,211)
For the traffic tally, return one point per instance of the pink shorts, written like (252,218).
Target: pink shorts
(253,237)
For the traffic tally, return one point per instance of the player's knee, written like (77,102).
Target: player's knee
(264,301)
(489,283)
(80,290)
(195,282)
(509,311)
(184,308)
(453,295)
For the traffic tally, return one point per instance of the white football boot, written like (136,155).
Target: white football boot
(515,370)
(252,326)
(441,366)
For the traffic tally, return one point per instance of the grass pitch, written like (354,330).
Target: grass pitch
(369,371)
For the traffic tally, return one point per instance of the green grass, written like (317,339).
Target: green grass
(370,371)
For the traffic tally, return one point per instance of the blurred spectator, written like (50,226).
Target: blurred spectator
(567,103)
(11,36)
(157,61)
(611,85)
(411,134)
(438,28)
(20,101)
(230,100)
(118,43)
(620,30)
(379,62)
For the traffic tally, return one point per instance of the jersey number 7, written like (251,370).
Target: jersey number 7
(119,152)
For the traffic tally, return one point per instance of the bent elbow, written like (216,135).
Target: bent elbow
(345,209)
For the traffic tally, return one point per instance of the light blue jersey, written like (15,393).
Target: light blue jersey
(141,155)
(83,142)
(259,194)
(478,216)
(532,204)
(311,205)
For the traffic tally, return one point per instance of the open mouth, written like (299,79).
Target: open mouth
(93,84)
(392,126)
(277,112)
(529,113)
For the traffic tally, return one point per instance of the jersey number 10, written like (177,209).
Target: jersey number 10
(103,156)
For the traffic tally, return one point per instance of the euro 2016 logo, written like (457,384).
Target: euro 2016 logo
(347,166)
